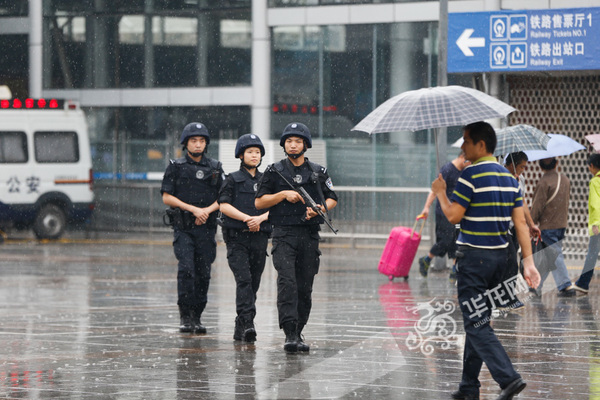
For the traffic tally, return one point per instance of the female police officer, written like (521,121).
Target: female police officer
(296,229)
(245,231)
(190,187)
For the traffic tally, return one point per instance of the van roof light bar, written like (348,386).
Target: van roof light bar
(37,104)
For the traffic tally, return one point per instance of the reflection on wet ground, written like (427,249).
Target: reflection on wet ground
(98,319)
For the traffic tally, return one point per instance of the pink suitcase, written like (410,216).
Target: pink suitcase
(400,250)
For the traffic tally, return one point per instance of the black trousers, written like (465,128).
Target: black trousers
(512,263)
(195,251)
(246,254)
(296,258)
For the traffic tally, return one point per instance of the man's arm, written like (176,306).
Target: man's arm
(428,203)
(269,200)
(454,212)
(534,230)
(531,274)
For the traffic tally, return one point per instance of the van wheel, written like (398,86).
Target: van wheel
(50,222)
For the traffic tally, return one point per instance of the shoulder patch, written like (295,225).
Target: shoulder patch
(329,184)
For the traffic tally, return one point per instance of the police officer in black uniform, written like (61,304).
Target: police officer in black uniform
(246,232)
(190,187)
(295,229)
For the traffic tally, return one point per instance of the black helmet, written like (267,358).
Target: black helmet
(248,140)
(299,130)
(194,129)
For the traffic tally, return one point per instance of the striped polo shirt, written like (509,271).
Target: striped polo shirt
(489,193)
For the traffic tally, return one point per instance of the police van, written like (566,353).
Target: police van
(45,166)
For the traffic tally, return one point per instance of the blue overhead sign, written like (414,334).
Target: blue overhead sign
(524,40)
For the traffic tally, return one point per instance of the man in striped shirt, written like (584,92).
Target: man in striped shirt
(484,201)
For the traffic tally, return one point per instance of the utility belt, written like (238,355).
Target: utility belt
(178,218)
(297,229)
(232,233)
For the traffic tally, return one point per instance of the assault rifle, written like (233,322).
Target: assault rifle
(309,201)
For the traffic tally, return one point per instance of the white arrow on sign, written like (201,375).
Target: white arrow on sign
(465,42)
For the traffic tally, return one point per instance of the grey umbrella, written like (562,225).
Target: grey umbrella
(520,138)
(517,138)
(434,107)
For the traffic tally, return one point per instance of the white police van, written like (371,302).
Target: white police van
(45,166)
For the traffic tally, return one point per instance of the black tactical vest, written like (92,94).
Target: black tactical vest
(243,199)
(198,183)
(307,176)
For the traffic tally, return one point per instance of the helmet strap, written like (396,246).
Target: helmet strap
(249,167)
(295,156)
(197,154)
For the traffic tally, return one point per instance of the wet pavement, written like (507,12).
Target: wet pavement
(97,319)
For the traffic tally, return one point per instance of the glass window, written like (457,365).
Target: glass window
(331,77)
(302,3)
(13,147)
(14,8)
(56,147)
(171,44)
(14,61)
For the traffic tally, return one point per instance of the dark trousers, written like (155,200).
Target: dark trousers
(480,270)
(246,254)
(195,251)
(445,238)
(512,263)
(296,258)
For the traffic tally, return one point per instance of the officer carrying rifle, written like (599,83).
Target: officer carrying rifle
(246,232)
(190,187)
(296,227)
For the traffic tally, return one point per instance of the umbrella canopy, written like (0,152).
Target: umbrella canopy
(516,138)
(594,140)
(559,145)
(520,138)
(433,108)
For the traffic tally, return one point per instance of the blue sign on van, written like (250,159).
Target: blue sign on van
(524,40)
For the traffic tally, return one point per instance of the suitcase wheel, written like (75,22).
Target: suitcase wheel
(405,278)
(391,277)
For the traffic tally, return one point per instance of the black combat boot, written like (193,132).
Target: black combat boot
(291,337)
(302,346)
(249,334)
(198,327)
(186,322)
(185,325)
(238,331)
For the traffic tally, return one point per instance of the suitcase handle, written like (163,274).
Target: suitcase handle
(421,218)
